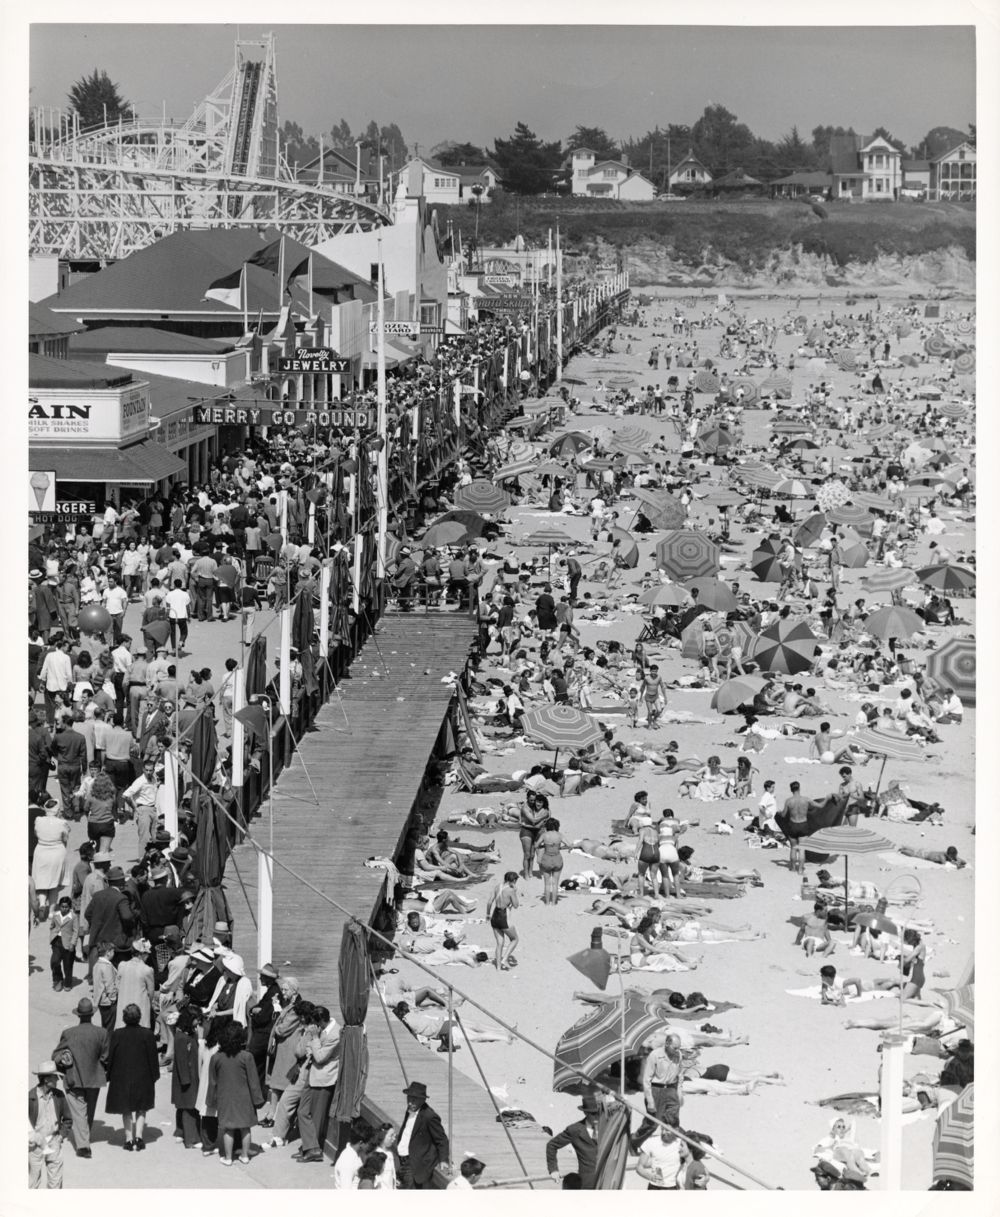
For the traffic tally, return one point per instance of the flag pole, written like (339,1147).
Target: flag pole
(281,274)
(243,296)
(559,308)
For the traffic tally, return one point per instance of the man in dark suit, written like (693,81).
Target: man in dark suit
(109,916)
(423,1145)
(582,1136)
(88,1045)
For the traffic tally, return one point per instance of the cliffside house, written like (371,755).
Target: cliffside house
(447,184)
(689,172)
(607,179)
(953,174)
(865,168)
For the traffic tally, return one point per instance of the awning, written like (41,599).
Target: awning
(395,354)
(146,462)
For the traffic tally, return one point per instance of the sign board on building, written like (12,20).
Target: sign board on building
(401,329)
(257,416)
(501,280)
(65,512)
(314,359)
(104,415)
(41,490)
(506,304)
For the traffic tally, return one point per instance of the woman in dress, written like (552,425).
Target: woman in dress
(133,1068)
(281,1059)
(208,1046)
(234,1090)
(48,866)
(185,1077)
(502,899)
(262,1010)
(550,860)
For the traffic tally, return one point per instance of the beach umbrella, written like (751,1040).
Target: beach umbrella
(449,532)
(833,493)
(624,544)
(881,431)
(802,443)
(852,515)
(559,726)
(706,382)
(520,450)
(481,495)
(954,1142)
(948,578)
(810,530)
(573,380)
(965,325)
(854,555)
(749,387)
(954,666)
(595,1042)
(776,385)
(570,444)
(964,363)
(786,646)
(767,479)
(514,469)
(888,579)
(621,382)
(551,469)
(792,488)
(353,971)
(960,1003)
(724,498)
(546,538)
(893,622)
(846,360)
(613,1126)
(662,510)
(736,692)
(909,361)
(937,345)
(713,594)
(686,553)
(888,747)
(871,502)
(716,439)
(664,594)
(927,479)
(918,492)
(764,564)
(634,434)
(903,329)
(851,842)
(474,524)
(596,464)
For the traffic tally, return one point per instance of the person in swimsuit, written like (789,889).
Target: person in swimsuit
(550,860)
(502,899)
(534,813)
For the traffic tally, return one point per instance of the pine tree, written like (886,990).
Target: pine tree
(95,98)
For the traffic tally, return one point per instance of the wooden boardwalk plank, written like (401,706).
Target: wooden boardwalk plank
(365,761)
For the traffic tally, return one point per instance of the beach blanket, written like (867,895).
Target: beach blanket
(897,859)
(715,891)
(814,992)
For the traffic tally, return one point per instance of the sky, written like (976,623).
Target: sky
(473,83)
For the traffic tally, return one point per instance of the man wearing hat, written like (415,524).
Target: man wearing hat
(423,1144)
(109,918)
(160,905)
(582,1136)
(39,756)
(50,1124)
(88,1046)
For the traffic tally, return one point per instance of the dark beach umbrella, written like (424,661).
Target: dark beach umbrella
(786,646)
(303,625)
(211,854)
(353,972)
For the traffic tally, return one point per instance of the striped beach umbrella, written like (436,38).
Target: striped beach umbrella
(937,345)
(750,391)
(846,360)
(801,443)
(854,516)
(551,469)
(888,747)
(661,509)
(954,666)
(953,409)
(964,363)
(786,646)
(520,450)
(776,385)
(622,382)
(871,502)
(946,577)
(792,488)
(833,493)
(881,431)
(561,727)
(664,594)
(514,469)
(713,594)
(595,1042)
(716,438)
(893,622)
(686,553)
(706,382)
(954,1142)
(848,841)
(889,579)
(596,464)
(481,495)
(547,536)
(736,692)
(965,325)
(633,434)
(960,1003)
(810,530)
(724,497)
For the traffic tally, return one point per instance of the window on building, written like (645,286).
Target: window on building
(961,154)
(610,173)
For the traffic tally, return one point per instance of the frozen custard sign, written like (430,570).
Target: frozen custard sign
(95,415)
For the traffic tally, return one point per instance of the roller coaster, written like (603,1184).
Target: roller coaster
(103,193)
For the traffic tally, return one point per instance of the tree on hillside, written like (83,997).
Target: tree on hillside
(821,137)
(341,137)
(971,137)
(793,155)
(597,140)
(658,151)
(452,153)
(721,142)
(95,98)
(527,164)
(889,139)
(394,145)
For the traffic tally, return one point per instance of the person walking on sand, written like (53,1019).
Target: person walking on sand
(502,899)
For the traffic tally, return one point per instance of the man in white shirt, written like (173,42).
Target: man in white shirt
(596,515)
(116,602)
(56,675)
(178,603)
(660,1161)
(141,797)
(766,810)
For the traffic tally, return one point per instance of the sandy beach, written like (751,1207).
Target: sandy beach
(772,1131)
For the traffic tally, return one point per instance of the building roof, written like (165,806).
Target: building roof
(146,340)
(690,158)
(46,373)
(146,462)
(844,153)
(737,177)
(172,275)
(916,166)
(44,323)
(951,152)
(804,179)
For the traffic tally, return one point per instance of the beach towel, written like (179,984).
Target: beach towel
(715,891)
(897,859)
(814,992)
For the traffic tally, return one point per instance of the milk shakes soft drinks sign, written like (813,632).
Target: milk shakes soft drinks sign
(88,415)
